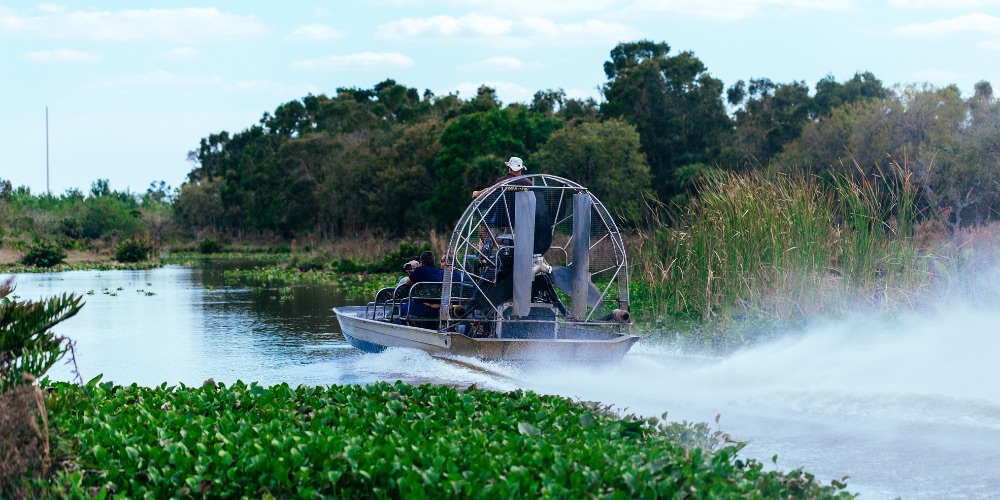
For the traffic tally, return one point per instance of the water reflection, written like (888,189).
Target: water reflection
(184,325)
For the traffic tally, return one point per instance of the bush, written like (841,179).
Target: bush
(72,228)
(28,349)
(44,254)
(106,216)
(208,245)
(133,250)
(314,263)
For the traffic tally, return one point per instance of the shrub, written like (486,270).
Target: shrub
(28,349)
(133,250)
(313,263)
(72,228)
(208,245)
(105,216)
(44,254)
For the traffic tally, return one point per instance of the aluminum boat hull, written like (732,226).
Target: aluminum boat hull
(575,343)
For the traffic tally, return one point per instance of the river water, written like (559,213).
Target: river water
(906,409)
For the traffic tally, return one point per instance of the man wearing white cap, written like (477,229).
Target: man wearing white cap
(514,168)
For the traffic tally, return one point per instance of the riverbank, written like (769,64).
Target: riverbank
(76,260)
(385,439)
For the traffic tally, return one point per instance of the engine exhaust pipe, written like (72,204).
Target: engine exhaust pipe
(619,315)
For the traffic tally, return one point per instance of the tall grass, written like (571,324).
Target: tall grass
(753,245)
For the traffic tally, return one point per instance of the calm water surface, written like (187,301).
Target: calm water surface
(909,409)
(194,327)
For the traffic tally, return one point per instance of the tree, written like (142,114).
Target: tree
(100,187)
(199,204)
(605,157)
(472,148)
(548,101)
(400,181)
(674,103)
(771,115)
(831,95)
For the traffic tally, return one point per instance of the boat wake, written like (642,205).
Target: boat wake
(418,367)
(908,407)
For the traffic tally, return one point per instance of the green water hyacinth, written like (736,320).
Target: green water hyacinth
(355,285)
(387,440)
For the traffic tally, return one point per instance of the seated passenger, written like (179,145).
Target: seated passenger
(425,273)
(408,269)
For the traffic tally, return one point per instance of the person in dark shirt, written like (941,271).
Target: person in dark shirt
(501,204)
(425,273)
(515,167)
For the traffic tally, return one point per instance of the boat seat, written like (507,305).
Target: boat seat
(383,299)
(430,291)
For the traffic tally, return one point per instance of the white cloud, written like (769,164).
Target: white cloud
(507,92)
(363,60)
(188,25)
(62,55)
(990,44)
(499,63)
(731,9)
(180,53)
(943,4)
(315,32)
(972,23)
(519,32)
(470,24)
(162,78)
(537,7)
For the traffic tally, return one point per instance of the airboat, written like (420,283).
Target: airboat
(532,273)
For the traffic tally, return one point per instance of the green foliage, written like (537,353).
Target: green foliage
(199,204)
(209,246)
(785,247)
(107,216)
(604,157)
(480,139)
(28,347)
(674,103)
(350,276)
(71,228)
(133,250)
(389,440)
(831,94)
(771,116)
(44,254)
(926,130)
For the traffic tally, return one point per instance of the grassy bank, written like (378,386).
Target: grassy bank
(392,440)
(755,248)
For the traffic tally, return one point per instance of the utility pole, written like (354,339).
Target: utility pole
(47,189)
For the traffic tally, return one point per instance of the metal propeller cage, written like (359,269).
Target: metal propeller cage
(484,235)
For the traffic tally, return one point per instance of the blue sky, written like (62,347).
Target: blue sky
(131,87)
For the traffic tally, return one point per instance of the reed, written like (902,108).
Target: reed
(779,247)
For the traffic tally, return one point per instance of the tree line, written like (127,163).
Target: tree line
(394,160)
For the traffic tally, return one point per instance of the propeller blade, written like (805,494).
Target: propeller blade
(562,278)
